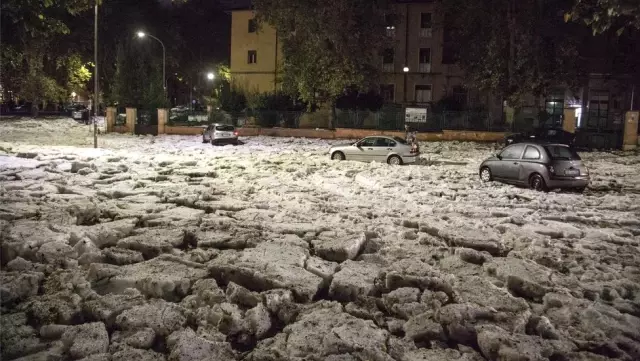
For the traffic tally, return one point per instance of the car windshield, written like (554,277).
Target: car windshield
(558,152)
(225,128)
(400,140)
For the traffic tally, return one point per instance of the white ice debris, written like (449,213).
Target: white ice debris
(164,248)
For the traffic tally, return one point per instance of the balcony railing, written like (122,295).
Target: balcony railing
(391,31)
(426,32)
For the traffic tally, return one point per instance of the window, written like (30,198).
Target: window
(598,109)
(387,91)
(460,96)
(423,93)
(558,152)
(225,128)
(449,48)
(253,25)
(425,60)
(426,30)
(531,153)
(383,142)
(512,152)
(368,142)
(252,57)
(387,60)
(400,140)
(390,22)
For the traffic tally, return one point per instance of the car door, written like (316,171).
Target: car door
(531,163)
(381,149)
(508,166)
(364,150)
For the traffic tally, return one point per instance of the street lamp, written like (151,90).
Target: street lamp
(211,76)
(405,70)
(142,34)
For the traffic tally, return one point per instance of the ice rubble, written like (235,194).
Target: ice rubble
(162,248)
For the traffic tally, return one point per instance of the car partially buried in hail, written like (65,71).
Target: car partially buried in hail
(391,150)
(537,165)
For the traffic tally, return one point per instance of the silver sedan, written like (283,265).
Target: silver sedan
(392,150)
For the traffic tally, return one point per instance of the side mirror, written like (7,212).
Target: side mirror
(499,156)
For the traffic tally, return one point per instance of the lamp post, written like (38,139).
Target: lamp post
(95,76)
(405,70)
(142,34)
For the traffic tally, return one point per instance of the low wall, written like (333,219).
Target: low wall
(340,133)
(183,130)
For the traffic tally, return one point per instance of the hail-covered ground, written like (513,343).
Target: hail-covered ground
(164,248)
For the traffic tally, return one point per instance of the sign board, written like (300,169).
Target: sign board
(198,118)
(415,115)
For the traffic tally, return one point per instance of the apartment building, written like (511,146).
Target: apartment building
(255,54)
(416,70)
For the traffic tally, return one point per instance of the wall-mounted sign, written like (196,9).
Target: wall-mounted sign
(415,115)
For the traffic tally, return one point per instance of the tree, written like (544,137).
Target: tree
(514,48)
(36,26)
(327,45)
(138,77)
(602,15)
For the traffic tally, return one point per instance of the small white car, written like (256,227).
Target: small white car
(220,134)
(392,150)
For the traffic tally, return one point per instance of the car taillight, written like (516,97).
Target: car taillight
(415,149)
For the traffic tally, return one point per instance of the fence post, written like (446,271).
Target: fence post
(132,117)
(163,115)
(630,137)
(111,118)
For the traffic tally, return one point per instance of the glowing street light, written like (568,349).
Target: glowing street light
(73,94)
(405,69)
(211,76)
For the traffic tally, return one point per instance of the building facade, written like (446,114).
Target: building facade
(418,38)
(255,54)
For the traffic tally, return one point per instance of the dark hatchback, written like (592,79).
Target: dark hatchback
(539,166)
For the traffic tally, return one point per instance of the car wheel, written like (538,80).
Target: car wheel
(213,142)
(394,160)
(337,156)
(579,189)
(536,182)
(485,174)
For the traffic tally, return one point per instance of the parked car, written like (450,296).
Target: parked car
(80,113)
(220,133)
(392,150)
(539,166)
(550,135)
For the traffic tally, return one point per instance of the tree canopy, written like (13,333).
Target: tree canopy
(604,15)
(41,70)
(513,48)
(327,45)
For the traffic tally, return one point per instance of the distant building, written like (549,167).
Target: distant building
(431,75)
(422,47)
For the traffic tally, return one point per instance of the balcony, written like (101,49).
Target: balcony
(391,31)
(424,68)
(387,68)
(426,32)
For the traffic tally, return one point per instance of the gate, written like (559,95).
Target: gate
(600,129)
(147,122)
